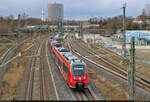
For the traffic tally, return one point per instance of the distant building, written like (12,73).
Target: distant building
(141,19)
(55,12)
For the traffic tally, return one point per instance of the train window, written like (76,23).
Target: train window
(63,50)
(67,71)
(79,70)
(66,58)
(63,66)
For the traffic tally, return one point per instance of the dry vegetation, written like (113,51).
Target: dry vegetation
(14,74)
(110,89)
(9,24)
(2,47)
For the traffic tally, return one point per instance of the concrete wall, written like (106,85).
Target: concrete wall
(137,34)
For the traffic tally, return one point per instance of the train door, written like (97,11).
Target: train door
(65,68)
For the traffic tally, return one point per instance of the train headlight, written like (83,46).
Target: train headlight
(74,77)
(84,77)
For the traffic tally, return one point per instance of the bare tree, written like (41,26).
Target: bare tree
(144,17)
(147,9)
(24,16)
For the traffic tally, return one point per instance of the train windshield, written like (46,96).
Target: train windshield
(79,70)
(57,45)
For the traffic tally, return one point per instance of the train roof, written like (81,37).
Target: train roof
(72,58)
(62,49)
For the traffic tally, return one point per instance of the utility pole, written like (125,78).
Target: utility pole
(132,76)
(48,30)
(39,31)
(60,27)
(19,53)
(124,34)
(34,33)
(30,32)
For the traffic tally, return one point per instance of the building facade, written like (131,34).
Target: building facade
(55,12)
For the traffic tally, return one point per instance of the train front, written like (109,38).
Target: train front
(79,76)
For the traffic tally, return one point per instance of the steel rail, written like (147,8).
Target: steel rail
(50,71)
(140,83)
(30,85)
(139,78)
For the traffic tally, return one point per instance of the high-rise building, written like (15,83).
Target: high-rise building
(55,11)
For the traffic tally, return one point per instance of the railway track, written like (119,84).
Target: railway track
(11,48)
(80,95)
(107,66)
(50,72)
(5,57)
(37,87)
(4,54)
(114,66)
(106,50)
(85,94)
(109,62)
(43,84)
(104,53)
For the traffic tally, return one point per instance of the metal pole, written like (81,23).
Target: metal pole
(60,27)
(34,33)
(81,30)
(31,33)
(124,34)
(132,76)
(40,32)
(48,30)
(19,53)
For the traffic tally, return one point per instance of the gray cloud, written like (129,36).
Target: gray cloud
(104,8)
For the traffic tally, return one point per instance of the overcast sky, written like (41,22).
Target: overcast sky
(73,8)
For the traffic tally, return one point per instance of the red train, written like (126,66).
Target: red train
(73,69)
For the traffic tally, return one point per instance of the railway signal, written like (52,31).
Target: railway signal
(131,77)
(18,45)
